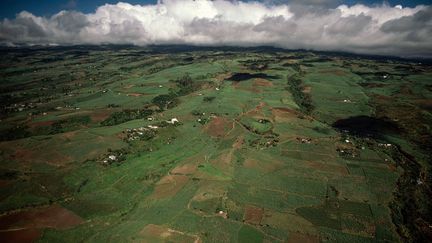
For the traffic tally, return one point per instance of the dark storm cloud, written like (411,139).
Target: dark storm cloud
(350,25)
(276,25)
(412,32)
(421,19)
(320,26)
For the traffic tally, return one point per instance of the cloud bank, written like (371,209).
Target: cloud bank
(360,29)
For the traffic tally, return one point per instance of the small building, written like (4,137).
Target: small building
(173,120)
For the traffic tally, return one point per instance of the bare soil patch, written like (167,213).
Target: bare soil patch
(307,89)
(169,185)
(406,90)
(100,116)
(23,154)
(223,76)
(251,163)
(184,169)
(4,183)
(285,110)
(253,215)
(238,143)
(56,158)
(284,114)
(155,230)
(382,98)
(257,111)
(156,233)
(218,127)
(298,237)
(21,235)
(253,89)
(265,166)
(336,72)
(68,135)
(424,103)
(136,94)
(24,226)
(262,82)
(40,124)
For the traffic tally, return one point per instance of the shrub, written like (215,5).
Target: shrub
(15,133)
(209,98)
(165,101)
(303,100)
(126,115)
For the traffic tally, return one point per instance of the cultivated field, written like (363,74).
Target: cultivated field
(182,144)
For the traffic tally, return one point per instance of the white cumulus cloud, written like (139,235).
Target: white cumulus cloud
(379,29)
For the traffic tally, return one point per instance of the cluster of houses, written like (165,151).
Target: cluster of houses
(267,141)
(20,107)
(173,121)
(347,152)
(31,105)
(304,140)
(141,133)
(147,132)
(385,145)
(202,117)
(113,157)
(67,107)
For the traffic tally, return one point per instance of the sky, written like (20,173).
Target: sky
(9,8)
(393,27)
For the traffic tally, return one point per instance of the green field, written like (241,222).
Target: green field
(131,144)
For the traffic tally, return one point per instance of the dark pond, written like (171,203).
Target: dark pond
(367,126)
(238,77)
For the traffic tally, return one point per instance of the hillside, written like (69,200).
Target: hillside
(183,144)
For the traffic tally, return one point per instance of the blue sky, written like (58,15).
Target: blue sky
(9,8)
